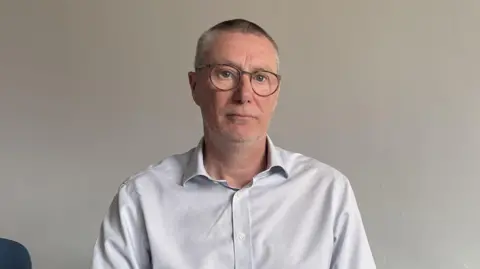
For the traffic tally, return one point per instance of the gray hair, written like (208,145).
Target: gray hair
(234,25)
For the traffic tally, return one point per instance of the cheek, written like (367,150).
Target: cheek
(267,106)
(220,100)
(213,104)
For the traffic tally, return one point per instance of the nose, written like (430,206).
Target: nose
(244,91)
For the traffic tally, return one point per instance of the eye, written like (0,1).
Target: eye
(260,77)
(225,74)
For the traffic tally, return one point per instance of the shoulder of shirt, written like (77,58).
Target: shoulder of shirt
(297,163)
(172,165)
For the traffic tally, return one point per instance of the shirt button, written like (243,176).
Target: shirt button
(241,236)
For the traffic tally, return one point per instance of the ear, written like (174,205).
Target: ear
(192,80)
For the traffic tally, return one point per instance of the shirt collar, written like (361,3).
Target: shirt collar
(195,166)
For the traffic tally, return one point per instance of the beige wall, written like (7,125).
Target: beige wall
(388,92)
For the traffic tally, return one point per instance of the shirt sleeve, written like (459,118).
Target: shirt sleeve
(351,247)
(122,239)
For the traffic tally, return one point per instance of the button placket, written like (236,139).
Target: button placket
(241,229)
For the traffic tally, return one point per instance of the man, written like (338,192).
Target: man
(235,200)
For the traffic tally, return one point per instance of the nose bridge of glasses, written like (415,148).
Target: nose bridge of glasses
(245,79)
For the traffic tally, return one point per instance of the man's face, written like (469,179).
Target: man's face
(238,115)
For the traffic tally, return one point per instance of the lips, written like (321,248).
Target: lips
(240,115)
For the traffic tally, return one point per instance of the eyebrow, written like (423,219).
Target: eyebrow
(255,69)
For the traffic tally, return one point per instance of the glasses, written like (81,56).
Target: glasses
(227,77)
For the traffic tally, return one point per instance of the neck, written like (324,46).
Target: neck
(235,162)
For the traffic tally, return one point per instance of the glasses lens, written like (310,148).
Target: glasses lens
(264,83)
(224,77)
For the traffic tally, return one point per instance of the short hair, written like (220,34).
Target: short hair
(233,25)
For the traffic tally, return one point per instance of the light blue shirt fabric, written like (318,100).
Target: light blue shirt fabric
(299,213)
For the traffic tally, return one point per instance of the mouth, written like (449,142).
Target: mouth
(240,116)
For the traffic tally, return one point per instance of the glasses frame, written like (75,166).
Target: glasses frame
(241,72)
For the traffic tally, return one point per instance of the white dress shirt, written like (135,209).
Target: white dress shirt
(299,213)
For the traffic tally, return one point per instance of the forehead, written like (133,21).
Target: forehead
(245,50)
